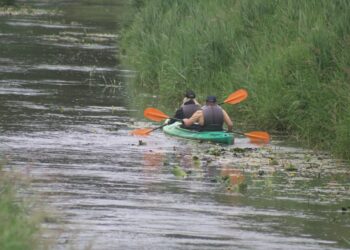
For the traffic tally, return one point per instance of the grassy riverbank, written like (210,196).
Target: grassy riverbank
(292,56)
(18,226)
(7,2)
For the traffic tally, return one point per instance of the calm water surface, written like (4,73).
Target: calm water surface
(65,121)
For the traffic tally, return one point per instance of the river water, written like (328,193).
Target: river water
(65,122)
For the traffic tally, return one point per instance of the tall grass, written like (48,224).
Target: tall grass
(292,56)
(18,228)
(7,2)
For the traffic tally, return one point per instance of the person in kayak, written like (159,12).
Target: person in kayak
(188,108)
(210,117)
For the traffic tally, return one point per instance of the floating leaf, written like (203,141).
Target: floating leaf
(243,187)
(273,162)
(195,158)
(179,172)
(290,167)
(238,150)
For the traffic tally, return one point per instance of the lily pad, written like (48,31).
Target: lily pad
(290,167)
(178,172)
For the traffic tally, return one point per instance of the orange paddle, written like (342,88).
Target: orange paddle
(145,131)
(236,97)
(155,114)
(256,136)
(141,131)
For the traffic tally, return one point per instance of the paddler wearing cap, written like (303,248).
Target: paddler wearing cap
(211,117)
(188,108)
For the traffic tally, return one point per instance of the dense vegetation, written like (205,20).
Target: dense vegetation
(7,2)
(17,229)
(291,55)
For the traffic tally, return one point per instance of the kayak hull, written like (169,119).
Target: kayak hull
(213,136)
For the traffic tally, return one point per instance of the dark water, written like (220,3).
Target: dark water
(65,121)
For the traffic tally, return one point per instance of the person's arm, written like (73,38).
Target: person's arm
(179,114)
(193,119)
(227,121)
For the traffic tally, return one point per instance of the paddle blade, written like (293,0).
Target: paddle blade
(237,96)
(141,131)
(155,114)
(258,136)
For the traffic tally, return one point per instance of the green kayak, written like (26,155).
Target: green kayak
(214,136)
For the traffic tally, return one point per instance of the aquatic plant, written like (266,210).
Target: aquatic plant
(290,167)
(178,172)
(216,151)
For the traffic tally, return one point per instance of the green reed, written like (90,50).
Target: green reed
(18,228)
(292,56)
(7,2)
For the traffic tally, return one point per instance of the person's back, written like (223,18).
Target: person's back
(188,108)
(211,117)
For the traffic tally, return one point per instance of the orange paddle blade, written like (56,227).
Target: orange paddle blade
(141,131)
(237,96)
(258,136)
(155,114)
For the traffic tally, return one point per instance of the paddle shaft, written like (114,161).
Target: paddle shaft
(236,132)
(158,128)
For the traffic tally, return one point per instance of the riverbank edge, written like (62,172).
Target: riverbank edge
(292,67)
(21,219)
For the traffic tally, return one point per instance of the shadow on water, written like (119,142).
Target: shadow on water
(65,120)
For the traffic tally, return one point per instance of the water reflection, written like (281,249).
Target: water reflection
(153,161)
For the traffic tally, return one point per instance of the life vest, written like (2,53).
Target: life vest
(189,109)
(213,118)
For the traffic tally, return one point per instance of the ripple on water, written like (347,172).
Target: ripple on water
(42,24)
(21,91)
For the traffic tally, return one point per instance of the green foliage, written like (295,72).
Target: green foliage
(290,167)
(17,230)
(178,172)
(292,56)
(216,151)
(7,2)
(343,136)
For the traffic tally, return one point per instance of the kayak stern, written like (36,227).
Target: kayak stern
(213,136)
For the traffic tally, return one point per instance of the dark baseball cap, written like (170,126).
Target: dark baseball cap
(211,98)
(190,94)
